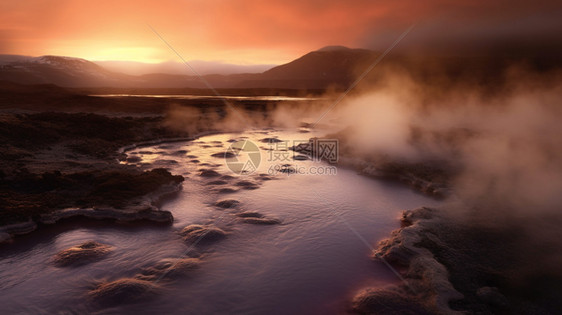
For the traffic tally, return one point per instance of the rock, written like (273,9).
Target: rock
(196,233)
(226,155)
(208,173)
(180,152)
(250,214)
(247,184)
(227,203)
(194,161)
(217,182)
(124,290)
(390,300)
(253,217)
(170,267)
(300,157)
(265,177)
(82,254)
(425,273)
(227,190)
(270,140)
(492,297)
(264,221)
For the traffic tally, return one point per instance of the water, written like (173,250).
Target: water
(312,263)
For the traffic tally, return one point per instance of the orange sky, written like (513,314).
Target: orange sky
(241,31)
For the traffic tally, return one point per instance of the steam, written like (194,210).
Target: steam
(507,144)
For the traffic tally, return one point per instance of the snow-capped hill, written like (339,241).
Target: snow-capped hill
(71,64)
(59,70)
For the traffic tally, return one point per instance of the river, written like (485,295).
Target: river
(311,263)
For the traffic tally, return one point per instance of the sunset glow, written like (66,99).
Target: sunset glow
(249,31)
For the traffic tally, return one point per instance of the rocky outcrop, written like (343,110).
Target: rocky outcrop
(389,300)
(426,279)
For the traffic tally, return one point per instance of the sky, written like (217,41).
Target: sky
(266,31)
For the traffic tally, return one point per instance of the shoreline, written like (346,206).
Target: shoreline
(454,267)
(137,213)
(145,211)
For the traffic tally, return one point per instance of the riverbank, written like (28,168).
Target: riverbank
(456,267)
(52,162)
(430,176)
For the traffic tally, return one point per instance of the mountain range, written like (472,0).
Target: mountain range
(332,66)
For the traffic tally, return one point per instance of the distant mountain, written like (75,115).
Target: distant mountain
(329,66)
(63,71)
(171,67)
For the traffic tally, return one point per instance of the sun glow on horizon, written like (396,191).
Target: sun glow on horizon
(136,54)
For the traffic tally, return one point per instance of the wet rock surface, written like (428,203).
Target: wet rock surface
(82,254)
(260,221)
(226,155)
(253,217)
(208,173)
(126,290)
(217,182)
(389,300)
(270,140)
(202,234)
(458,267)
(227,190)
(227,204)
(245,184)
(169,268)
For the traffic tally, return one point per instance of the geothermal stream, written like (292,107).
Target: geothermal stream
(310,263)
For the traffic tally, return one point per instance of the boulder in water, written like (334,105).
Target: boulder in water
(387,301)
(270,140)
(208,173)
(124,290)
(169,267)
(227,203)
(82,254)
(226,155)
(246,184)
(262,221)
(250,214)
(196,233)
(217,182)
(227,190)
